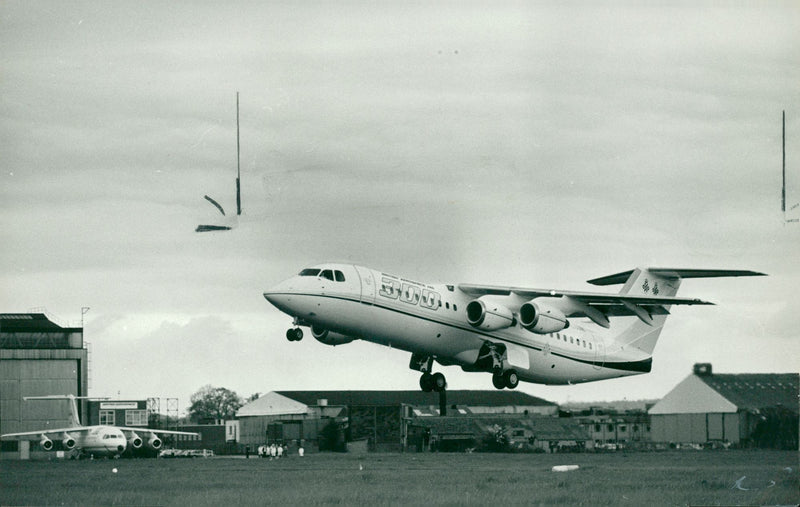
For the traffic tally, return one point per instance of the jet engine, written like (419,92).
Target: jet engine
(541,318)
(67,441)
(489,316)
(135,441)
(153,443)
(46,443)
(329,337)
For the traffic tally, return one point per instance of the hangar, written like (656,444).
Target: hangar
(38,357)
(329,419)
(745,409)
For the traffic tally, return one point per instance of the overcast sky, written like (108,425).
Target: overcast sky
(529,143)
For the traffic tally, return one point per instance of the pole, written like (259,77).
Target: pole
(783,172)
(238,173)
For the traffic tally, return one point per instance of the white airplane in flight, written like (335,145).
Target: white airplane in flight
(544,336)
(97,440)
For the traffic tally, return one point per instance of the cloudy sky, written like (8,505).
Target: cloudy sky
(530,143)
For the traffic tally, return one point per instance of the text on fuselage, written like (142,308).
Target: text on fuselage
(410,293)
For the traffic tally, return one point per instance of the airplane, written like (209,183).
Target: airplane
(543,336)
(95,440)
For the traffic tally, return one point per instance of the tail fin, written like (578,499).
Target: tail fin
(661,282)
(74,418)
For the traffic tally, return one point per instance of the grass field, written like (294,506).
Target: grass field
(666,478)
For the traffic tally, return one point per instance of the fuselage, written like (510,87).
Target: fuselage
(101,441)
(430,320)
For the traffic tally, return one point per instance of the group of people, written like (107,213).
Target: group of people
(274,451)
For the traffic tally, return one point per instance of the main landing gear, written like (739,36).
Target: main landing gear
(508,378)
(294,334)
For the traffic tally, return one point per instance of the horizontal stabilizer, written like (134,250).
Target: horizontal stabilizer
(674,274)
(209,228)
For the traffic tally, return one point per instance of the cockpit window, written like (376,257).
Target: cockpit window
(309,272)
(327,274)
(339,276)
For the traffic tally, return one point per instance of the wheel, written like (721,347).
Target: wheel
(511,379)
(298,334)
(439,382)
(498,381)
(426,382)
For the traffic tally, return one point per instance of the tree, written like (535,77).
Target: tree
(214,403)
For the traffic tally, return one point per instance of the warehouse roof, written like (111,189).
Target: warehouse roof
(756,390)
(390,398)
(730,393)
(27,322)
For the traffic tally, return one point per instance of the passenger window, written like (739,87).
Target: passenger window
(590,345)
(339,276)
(447,305)
(571,340)
(327,274)
(455,308)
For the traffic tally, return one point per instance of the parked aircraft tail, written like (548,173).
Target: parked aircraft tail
(74,418)
(656,282)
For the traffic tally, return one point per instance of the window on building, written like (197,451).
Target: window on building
(623,428)
(107,417)
(610,427)
(136,418)
(597,428)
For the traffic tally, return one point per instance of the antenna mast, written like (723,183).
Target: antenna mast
(238,184)
(783,172)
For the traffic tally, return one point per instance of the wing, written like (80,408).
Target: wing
(149,430)
(49,431)
(596,306)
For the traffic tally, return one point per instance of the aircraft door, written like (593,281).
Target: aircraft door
(367,285)
(599,354)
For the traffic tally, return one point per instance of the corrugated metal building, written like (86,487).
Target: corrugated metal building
(748,409)
(38,357)
(329,418)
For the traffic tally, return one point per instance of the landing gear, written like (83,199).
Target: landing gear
(508,378)
(294,334)
(432,382)
(511,379)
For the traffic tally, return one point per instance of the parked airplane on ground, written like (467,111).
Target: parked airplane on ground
(544,336)
(97,440)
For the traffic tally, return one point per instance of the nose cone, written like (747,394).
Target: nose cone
(281,295)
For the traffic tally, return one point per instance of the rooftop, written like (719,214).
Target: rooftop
(756,390)
(487,398)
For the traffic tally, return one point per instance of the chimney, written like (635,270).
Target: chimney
(702,369)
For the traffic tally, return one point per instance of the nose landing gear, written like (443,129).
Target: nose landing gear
(432,382)
(294,334)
